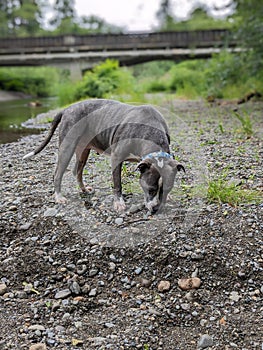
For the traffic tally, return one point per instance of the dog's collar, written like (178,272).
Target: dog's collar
(158,156)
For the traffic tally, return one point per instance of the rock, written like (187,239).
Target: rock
(36,327)
(205,341)
(49,212)
(185,306)
(138,270)
(118,221)
(164,286)
(75,288)
(109,325)
(93,272)
(145,282)
(25,226)
(94,241)
(3,288)
(93,292)
(62,294)
(38,346)
(112,266)
(189,283)
(234,296)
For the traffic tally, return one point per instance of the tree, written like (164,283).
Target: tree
(64,19)
(248,17)
(20,17)
(165,15)
(95,24)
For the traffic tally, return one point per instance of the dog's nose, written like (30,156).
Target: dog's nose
(155,209)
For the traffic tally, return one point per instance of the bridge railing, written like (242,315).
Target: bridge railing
(132,41)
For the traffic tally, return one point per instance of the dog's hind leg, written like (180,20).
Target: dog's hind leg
(119,204)
(66,151)
(81,160)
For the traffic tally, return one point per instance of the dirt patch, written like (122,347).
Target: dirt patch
(82,276)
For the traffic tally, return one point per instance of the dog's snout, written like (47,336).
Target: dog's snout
(155,209)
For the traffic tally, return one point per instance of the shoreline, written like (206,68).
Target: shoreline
(12,95)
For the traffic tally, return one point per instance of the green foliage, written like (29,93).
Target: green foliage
(20,18)
(246,123)
(187,76)
(37,82)
(248,28)
(199,18)
(229,76)
(103,80)
(222,191)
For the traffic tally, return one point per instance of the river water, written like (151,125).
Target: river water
(15,112)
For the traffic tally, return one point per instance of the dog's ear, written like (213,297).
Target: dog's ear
(180,167)
(176,166)
(143,166)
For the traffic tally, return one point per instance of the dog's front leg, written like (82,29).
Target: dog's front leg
(119,204)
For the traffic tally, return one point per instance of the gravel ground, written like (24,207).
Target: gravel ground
(82,276)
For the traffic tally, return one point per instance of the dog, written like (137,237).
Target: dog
(125,132)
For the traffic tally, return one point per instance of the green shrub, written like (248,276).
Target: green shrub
(228,76)
(156,86)
(37,82)
(104,79)
(185,78)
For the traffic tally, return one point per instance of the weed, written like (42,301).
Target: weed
(246,123)
(221,129)
(222,191)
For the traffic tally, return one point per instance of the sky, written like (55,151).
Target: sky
(135,15)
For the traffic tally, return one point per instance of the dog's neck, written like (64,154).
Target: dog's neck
(159,157)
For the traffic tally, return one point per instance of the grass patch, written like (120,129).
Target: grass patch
(222,191)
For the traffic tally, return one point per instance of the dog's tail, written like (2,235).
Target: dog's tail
(54,125)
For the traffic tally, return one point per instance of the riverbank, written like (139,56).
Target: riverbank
(81,275)
(12,95)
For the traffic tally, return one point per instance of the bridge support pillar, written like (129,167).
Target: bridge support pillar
(75,71)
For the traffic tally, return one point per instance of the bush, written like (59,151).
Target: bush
(228,76)
(37,82)
(187,77)
(104,79)
(156,86)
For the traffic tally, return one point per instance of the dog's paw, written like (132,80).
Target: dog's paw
(119,205)
(60,199)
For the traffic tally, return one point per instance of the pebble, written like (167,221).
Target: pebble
(234,296)
(38,346)
(3,288)
(189,283)
(25,226)
(112,266)
(50,212)
(118,221)
(75,288)
(145,282)
(138,270)
(164,286)
(93,272)
(94,241)
(205,341)
(93,292)
(36,327)
(62,294)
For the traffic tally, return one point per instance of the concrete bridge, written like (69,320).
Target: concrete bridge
(81,52)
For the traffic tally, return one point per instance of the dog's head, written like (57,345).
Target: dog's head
(157,177)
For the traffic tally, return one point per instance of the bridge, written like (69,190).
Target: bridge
(81,52)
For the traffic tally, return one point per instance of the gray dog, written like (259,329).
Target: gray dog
(125,132)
